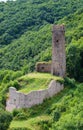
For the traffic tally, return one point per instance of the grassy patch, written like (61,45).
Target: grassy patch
(31,123)
(35,81)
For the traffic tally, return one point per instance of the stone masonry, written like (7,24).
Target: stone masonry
(43,67)
(58,51)
(21,100)
(58,65)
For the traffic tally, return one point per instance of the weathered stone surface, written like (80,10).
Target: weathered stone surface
(43,67)
(21,100)
(58,51)
(54,88)
(58,65)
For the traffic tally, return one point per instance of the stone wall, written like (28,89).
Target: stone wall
(43,67)
(21,100)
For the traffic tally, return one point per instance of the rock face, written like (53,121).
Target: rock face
(58,51)
(21,100)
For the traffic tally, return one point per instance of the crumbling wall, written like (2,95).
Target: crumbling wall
(43,67)
(21,100)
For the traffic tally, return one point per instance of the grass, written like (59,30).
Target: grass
(68,103)
(35,81)
(38,113)
(30,123)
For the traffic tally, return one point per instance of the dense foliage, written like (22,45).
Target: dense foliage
(25,33)
(22,15)
(26,38)
(5,119)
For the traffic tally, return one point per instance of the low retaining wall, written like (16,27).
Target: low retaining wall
(21,100)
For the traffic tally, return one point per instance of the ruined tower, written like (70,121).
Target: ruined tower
(58,51)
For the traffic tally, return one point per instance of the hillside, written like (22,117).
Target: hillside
(63,111)
(26,38)
(25,32)
(22,15)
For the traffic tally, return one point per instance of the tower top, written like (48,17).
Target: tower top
(58,28)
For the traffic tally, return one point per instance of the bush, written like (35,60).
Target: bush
(21,116)
(16,84)
(3,101)
(5,119)
(16,74)
(45,124)
(56,116)
(2,107)
(69,82)
(74,60)
(7,78)
(16,112)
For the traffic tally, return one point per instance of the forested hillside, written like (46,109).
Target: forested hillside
(26,38)
(18,17)
(25,32)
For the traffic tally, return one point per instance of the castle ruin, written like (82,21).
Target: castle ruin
(56,67)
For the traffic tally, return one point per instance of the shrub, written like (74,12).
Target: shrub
(56,116)
(74,59)
(44,124)
(5,119)
(3,101)
(16,74)
(48,111)
(7,78)
(16,84)
(21,116)
(2,107)
(69,82)
(16,112)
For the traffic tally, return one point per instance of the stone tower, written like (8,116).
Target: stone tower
(58,51)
